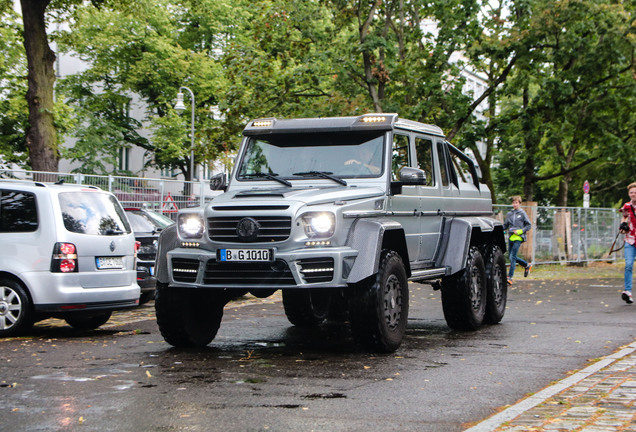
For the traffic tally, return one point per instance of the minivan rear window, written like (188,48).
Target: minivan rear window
(93,213)
(18,212)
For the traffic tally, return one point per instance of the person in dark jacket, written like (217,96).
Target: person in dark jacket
(517,224)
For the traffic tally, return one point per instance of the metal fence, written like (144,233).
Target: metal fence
(558,235)
(161,195)
(568,234)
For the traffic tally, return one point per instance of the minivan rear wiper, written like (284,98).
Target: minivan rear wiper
(269,176)
(111,231)
(323,174)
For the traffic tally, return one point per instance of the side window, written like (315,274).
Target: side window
(463,169)
(443,167)
(424,148)
(401,157)
(18,212)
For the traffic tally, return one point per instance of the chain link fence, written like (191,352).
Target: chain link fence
(568,234)
(558,235)
(160,195)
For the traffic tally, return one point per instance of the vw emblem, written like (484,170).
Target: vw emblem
(112,246)
(247,229)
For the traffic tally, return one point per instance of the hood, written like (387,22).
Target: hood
(307,195)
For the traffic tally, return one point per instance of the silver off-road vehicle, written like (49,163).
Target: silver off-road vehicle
(339,214)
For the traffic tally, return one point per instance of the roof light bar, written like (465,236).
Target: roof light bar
(262,123)
(373,119)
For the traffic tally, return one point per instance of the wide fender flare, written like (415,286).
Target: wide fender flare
(168,240)
(458,236)
(369,237)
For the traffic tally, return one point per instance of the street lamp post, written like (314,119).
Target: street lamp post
(180,107)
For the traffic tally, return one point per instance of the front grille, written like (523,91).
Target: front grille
(272,229)
(316,270)
(185,270)
(247,274)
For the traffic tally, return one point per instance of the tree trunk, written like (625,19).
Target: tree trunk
(530,144)
(562,197)
(41,137)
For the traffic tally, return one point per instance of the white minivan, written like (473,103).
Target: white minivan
(68,251)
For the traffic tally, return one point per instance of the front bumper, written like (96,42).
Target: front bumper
(301,268)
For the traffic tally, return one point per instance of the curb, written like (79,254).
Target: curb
(513,411)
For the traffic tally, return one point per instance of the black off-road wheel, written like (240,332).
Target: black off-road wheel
(188,317)
(464,294)
(379,308)
(87,322)
(496,285)
(16,310)
(306,307)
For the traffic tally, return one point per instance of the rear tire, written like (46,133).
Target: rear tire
(145,297)
(496,285)
(306,307)
(379,309)
(464,294)
(188,317)
(16,310)
(87,322)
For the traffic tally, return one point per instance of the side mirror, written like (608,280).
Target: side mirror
(412,176)
(217,182)
(408,177)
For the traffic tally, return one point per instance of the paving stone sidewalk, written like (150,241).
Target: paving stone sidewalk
(599,398)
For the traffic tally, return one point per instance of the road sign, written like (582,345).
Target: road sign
(169,205)
(586,187)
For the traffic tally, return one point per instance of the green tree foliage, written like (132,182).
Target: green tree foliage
(573,83)
(139,56)
(13,106)
(557,106)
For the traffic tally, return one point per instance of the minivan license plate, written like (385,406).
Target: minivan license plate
(251,255)
(104,263)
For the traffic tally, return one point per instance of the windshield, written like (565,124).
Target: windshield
(146,221)
(93,213)
(295,156)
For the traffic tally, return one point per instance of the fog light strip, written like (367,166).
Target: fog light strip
(318,270)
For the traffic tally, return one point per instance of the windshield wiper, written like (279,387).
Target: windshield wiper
(269,176)
(323,174)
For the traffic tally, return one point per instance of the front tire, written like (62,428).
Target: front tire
(16,310)
(379,309)
(87,322)
(188,317)
(464,294)
(496,286)
(306,307)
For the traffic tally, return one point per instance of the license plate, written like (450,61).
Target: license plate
(250,255)
(104,263)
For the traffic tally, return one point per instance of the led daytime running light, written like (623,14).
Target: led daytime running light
(318,243)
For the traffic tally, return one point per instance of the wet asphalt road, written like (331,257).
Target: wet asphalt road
(260,373)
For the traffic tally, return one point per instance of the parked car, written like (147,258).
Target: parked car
(68,252)
(147,225)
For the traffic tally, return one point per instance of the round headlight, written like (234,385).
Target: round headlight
(190,226)
(319,224)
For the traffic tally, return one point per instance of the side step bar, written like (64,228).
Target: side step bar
(427,274)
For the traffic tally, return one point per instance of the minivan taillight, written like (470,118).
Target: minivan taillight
(64,258)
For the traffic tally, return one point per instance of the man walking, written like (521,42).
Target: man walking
(517,224)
